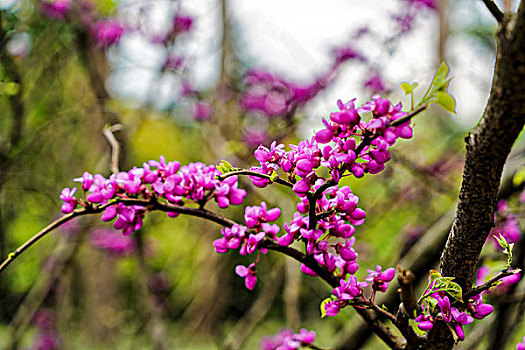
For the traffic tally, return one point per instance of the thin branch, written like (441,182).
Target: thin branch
(490,283)
(152,204)
(115,146)
(308,260)
(380,329)
(13,255)
(494,10)
(312,203)
(406,281)
(409,116)
(383,312)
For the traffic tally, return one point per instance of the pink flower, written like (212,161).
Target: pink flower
(182,23)
(249,273)
(107,32)
(70,201)
(56,9)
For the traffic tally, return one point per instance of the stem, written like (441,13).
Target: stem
(312,203)
(489,284)
(494,10)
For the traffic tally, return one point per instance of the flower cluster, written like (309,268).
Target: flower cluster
(328,237)
(351,290)
(272,95)
(340,152)
(425,321)
(286,339)
(236,237)
(105,32)
(436,305)
(170,181)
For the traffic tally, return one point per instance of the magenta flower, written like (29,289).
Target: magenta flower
(380,279)
(444,305)
(70,201)
(56,9)
(521,346)
(425,322)
(202,111)
(249,273)
(255,216)
(287,340)
(461,320)
(182,23)
(332,308)
(479,310)
(107,32)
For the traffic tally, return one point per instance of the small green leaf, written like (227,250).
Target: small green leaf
(407,88)
(384,307)
(10,255)
(323,303)
(432,303)
(454,290)
(519,177)
(274,176)
(434,275)
(441,73)
(224,167)
(446,101)
(502,241)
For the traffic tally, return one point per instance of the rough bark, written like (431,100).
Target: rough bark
(487,148)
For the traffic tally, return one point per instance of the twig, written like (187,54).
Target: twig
(312,203)
(406,281)
(403,324)
(115,146)
(152,204)
(12,256)
(494,10)
(383,312)
(490,283)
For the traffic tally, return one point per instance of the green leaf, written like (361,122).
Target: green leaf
(502,241)
(274,176)
(446,101)
(519,177)
(323,303)
(441,73)
(454,290)
(224,167)
(407,88)
(434,275)
(432,303)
